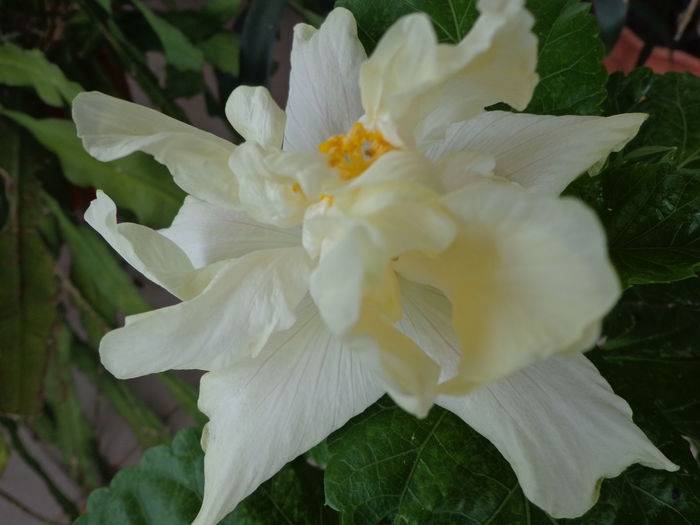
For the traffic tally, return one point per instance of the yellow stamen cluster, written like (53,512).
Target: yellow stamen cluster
(353,153)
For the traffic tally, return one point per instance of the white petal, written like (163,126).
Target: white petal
(246,300)
(266,411)
(258,118)
(113,128)
(562,429)
(413,88)
(324,96)
(511,275)
(277,186)
(208,233)
(154,255)
(541,152)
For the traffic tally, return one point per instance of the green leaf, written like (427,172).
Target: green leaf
(389,467)
(28,293)
(653,336)
(625,92)
(167,487)
(64,424)
(221,50)
(29,67)
(136,182)
(651,214)
(179,51)
(673,104)
(569,62)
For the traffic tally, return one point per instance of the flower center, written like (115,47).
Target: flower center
(353,153)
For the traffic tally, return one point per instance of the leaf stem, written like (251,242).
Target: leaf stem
(66,504)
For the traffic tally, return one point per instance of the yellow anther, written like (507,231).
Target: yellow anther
(296,188)
(328,198)
(353,153)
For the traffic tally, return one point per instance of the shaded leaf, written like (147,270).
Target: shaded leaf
(653,336)
(387,466)
(625,92)
(179,51)
(29,292)
(257,39)
(64,424)
(222,51)
(29,67)
(167,487)
(137,182)
(673,104)
(651,214)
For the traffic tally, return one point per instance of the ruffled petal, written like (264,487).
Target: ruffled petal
(562,429)
(324,96)
(258,118)
(541,152)
(527,277)
(208,233)
(266,411)
(244,302)
(113,128)
(154,255)
(277,186)
(413,88)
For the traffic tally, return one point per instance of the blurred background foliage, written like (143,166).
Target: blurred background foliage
(61,287)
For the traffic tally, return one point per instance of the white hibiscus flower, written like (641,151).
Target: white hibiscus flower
(384,234)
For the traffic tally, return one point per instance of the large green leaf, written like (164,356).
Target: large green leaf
(28,293)
(569,62)
(179,51)
(167,487)
(388,467)
(651,214)
(29,67)
(673,104)
(137,182)
(572,77)
(653,336)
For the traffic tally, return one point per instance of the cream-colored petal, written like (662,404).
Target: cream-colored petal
(562,429)
(324,96)
(208,233)
(244,302)
(427,320)
(276,186)
(264,412)
(346,273)
(527,278)
(541,152)
(413,88)
(154,255)
(113,128)
(406,372)
(256,116)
